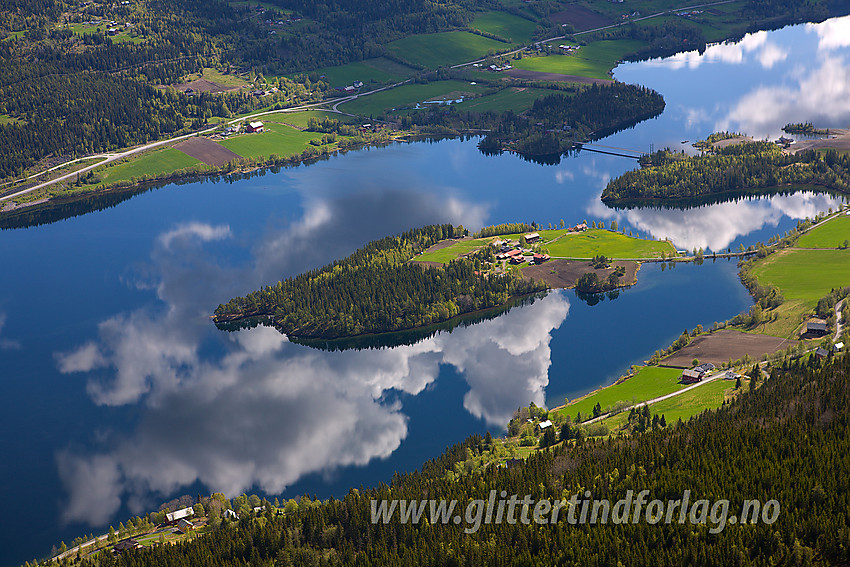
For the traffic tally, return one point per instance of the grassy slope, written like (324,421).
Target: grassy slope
(516,99)
(447,48)
(803,276)
(650,382)
(300,119)
(151,163)
(406,95)
(684,406)
(449,253)
(504,25)
(608,243)
(276,139)
(371,70)
(831,234)
(593,60)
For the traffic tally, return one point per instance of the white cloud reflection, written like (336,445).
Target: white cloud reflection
(716,226)
(756,44)
(257,410)
(818,95)
(832,34)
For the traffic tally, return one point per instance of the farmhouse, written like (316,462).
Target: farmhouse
(254,127)
(731,375)
(532,237)
(543,425)
(692,375)
(173,517)
(517,259)
(816,326)
(539,258)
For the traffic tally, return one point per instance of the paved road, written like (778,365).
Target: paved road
(111,157)
(603,28)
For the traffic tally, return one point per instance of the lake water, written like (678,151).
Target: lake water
(119,394)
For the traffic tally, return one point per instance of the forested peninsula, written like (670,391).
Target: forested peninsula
(745,168)
(376,290)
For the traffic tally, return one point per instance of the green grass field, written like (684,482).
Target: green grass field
(156,162)
(684,406)
(447,48)
(379,70)
(300,119)
(449,253)
(408,95)
(593,60)
(611,244)
(223,79)
(561,243)
(276,139)
(803,277)
(650,382)
(830,234)
(504,25)
(513,98)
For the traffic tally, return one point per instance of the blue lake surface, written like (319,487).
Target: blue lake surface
(119,394)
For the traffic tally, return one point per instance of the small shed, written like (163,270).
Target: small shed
(184,526)
(821,352)
(837,347)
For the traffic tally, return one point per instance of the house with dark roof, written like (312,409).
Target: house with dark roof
(125,545)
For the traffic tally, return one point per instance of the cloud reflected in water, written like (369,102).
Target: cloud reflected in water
(716,226)
(255,409)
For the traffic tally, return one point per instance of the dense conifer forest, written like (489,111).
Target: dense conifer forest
(376,290)
(788,440)
(749,167)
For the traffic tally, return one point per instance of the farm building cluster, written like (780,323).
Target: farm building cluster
(697,373)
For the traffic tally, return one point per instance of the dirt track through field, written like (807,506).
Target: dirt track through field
(207,151)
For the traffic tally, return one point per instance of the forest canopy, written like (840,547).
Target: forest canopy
(748,167)
(377,290)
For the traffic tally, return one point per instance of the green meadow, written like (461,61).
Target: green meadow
(504,25)
(649,382)
(829,234)
(276,139)
(156,162)
(378,70)
(518,99)
(803,277)
(449,253)
(684,406)
(447,48)
(299,119)
(594,60)
(608,243)
(409,95)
